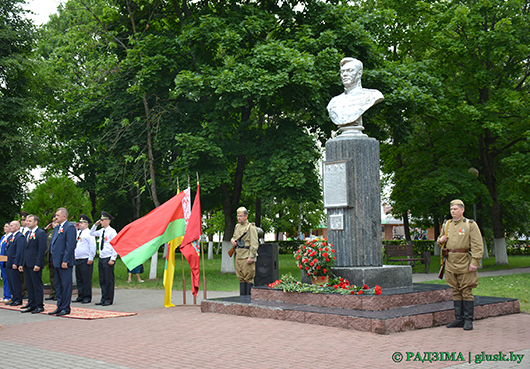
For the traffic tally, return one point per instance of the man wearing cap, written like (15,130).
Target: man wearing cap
(246,251)
(107,258)
(14,251)
(85,251)
(463,252)
(62,250)
(33,263)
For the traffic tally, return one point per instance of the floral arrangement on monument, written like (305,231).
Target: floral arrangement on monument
(339,286)
(315,257)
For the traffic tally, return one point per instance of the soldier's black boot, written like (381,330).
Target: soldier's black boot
(459,315)
(242,288)
(469,312)
(249,287)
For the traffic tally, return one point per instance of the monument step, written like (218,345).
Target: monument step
(387,321)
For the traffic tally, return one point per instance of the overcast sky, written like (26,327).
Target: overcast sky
(42,9)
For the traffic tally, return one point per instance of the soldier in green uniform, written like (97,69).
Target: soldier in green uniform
(246,251)
(463,251)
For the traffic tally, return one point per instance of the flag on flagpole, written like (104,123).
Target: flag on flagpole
(139,240)
(190,244)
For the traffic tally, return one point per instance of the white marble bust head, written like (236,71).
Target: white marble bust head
(346,109)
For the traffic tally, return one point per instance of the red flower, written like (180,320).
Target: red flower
(325,254)
(365,287)
(333,251)
(315,261)
(326,249)
(377,290)
(307,268)
(335,286)
(352,292)
(323,244)
(325,270)
(327,259)
(360,292)
(300,266)
(318,267)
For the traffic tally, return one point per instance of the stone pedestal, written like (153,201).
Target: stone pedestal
(386,276)
(353,203)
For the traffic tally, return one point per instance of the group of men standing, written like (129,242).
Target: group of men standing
(25,247)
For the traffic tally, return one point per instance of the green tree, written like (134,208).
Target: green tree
(57,192)
(482,52)
(17,114)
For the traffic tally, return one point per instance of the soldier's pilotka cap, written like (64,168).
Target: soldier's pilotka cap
(457,202)
(84,219)
(23,215)
(105,215)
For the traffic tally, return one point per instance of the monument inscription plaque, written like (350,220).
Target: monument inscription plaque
(336,184)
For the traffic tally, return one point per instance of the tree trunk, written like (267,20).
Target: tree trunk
(150,156)
(436,235)
(406,227)
(488,166)
(258,212)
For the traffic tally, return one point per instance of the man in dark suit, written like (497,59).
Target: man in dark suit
(62,249)
(33,263)
(15,248)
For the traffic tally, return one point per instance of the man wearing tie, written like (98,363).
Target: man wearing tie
(84,258)
(107,258)
(32,264)
(62,249)
(15,248)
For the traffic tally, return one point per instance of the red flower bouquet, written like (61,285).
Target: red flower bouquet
(315,257)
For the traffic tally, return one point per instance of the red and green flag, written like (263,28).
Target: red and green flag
(139,240)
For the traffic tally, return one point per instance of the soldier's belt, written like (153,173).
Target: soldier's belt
(458,250)
(243,247)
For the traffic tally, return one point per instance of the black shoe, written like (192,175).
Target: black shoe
(50,298)
(469,312)
(15,303)
(28,310)
(86,301)
(62,312)
(106,304)
(78,300)
(25,306)
(100,303)
(37,311)
(54,312)
(459,315)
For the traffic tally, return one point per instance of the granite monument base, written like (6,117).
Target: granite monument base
(396,310)
(386,276)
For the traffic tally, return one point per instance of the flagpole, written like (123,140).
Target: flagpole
(203,272)
(202,253)
(183,280)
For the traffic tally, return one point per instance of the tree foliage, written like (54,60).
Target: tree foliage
(17,114)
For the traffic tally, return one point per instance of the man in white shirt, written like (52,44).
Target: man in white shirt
(85,251)
(107,257)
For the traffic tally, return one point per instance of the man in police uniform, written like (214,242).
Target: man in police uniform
(245,255)
(85,251)
(107,258)
(464,250)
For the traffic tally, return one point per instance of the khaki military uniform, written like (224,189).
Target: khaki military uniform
(245,272)
(462,235)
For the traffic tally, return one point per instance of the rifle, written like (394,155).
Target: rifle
(443,254)
(233,249)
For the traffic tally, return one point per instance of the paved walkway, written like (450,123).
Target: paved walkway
(183,337)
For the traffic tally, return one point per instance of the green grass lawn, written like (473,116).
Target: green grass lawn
(513,286)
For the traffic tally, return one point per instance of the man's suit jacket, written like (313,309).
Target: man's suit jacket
(15,250)
(35,249)
(63,245)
